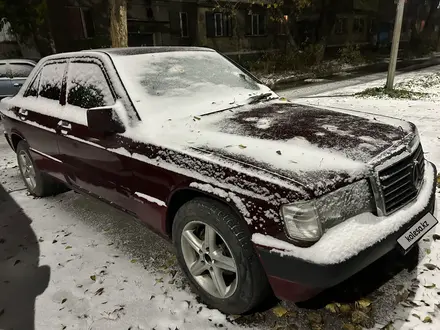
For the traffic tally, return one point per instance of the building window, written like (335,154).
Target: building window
(341,26)
(184,33)
(80,22)
(218,25)
(256,25)
(359,25)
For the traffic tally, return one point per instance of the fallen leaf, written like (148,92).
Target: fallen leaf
(197,118)
(279,152)
(428,251)
(427,320)
(389,326)
(68,247)
(242,146)
(17,262)
(431,286)
(359,317)
(430,266)
(415,315)
(345,308)
(93,277)
(436,237)
(133,261)
(64,300)
(54,241)
(279,311)
(99,292)
(332,308)
(363,305)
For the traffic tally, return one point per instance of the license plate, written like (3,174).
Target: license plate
(416,232)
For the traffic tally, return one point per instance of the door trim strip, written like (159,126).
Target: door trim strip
(45,155)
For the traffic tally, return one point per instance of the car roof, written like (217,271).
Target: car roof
(150,50)
(18,61)
(129,51)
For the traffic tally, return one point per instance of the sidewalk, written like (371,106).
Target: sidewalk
(288,80)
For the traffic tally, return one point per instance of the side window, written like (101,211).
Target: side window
(51,81)
(33,89)
(4,70)
(21,70)
(87,86)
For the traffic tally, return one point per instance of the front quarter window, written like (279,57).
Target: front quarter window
(33,88)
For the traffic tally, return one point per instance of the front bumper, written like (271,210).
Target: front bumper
(296,279)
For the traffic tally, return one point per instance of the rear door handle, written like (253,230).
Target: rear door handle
(18,84)
(64,126)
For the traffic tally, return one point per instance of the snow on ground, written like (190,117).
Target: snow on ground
(94,283)
(416,292)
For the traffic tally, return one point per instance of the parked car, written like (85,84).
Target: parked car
(13,74)
(257,194)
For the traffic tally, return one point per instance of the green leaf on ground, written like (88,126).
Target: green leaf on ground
(428,251)
(133,261)
(93,277)
(427,320)
(430,286)
(333,308)
(68,247)
(242,146)
(279,311)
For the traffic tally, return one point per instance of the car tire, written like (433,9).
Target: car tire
(245,289)
(38,183)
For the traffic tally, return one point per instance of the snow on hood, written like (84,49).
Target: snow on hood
(316,148)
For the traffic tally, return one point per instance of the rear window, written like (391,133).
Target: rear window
(4,70)
(21,70)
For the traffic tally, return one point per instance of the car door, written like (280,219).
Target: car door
(92,167)
(37,113)
(20,71)
(5,80)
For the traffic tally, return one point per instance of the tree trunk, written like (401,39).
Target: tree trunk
(290,38)
(327,20)
(118,23)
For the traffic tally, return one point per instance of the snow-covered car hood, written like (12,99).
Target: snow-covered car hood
(317,148)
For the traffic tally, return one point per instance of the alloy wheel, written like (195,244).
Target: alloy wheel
(27,169)
(209,259)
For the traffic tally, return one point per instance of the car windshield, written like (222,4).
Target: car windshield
(175,82)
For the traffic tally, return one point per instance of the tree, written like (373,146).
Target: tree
(118,23)
(30,23)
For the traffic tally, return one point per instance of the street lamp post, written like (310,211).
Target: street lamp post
(395,45)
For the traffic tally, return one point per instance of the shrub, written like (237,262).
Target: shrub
(351,54)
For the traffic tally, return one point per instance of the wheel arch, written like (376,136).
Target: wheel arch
(183,195)
(15,139)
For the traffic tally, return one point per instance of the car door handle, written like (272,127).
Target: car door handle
(22,114)
(18,84)
(64,126)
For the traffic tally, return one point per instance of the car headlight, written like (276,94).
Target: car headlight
(306,221)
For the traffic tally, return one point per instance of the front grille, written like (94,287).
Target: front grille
(400,183)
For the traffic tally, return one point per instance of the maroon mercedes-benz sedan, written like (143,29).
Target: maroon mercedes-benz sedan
(257,194)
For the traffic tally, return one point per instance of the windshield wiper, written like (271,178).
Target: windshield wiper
(261,97)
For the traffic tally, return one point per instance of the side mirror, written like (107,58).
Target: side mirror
(104,120)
